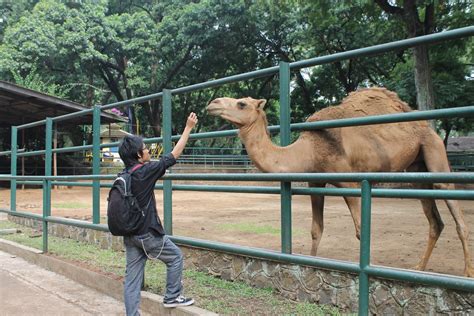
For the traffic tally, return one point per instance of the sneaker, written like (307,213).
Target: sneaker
(179,301)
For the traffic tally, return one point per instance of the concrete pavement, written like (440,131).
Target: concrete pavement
(26,289)
(32,283)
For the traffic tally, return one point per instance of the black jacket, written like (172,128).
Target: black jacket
(143,184)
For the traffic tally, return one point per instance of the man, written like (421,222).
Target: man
(151,241)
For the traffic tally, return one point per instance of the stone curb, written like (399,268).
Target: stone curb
(151,303)
(9,231)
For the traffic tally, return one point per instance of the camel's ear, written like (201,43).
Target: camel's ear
(261,103)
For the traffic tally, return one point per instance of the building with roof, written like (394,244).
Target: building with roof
(19,105)
(461,153)
(461,144)
(113,133)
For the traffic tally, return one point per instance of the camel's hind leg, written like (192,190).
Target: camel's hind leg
(436,161)
(317,227)
(436,227)
(432,214)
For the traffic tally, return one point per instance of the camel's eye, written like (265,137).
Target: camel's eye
(241,105)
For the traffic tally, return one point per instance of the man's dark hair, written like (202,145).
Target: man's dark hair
(129,148)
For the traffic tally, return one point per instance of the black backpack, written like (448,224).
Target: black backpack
(124,215)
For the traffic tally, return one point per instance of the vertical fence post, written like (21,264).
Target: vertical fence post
(13,167)
(285,187)
(167,185)
(96,165)
(46,182)
(366,191)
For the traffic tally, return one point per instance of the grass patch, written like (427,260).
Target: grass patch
(71,205)
(251,228)
(256,229)
(211,293)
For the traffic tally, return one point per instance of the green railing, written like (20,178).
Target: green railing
(462,161)
(364,269)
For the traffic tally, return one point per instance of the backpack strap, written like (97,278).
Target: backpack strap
(135,168)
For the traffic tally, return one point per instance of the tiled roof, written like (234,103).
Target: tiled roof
(465,143)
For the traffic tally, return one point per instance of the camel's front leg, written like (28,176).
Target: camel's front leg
(353,203)
(317,227)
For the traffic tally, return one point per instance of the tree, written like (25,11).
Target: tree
(99,52)
(338,27)
(144,50)
(420,18)
(60,42)
(11,11)
(451,69)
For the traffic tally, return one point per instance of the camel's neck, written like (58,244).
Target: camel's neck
(271,158)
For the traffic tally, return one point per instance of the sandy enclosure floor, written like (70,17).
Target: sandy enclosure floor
(399,227)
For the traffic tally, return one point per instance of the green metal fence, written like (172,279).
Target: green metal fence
(364,268)
(462,161)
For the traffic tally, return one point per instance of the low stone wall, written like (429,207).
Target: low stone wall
(299,283)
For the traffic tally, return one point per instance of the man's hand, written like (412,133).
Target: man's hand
(192,120)
(190,123)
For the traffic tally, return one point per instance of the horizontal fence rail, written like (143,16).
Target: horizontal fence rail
(380,193)
(467,111)
(398,177)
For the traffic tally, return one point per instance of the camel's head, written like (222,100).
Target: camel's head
(240,112)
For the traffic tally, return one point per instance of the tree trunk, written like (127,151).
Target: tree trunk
(90,90)
(155,118)
(132,125)
(447,128)
(415,27)
(423,82)
(153,108)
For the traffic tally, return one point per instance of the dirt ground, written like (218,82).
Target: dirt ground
(399,227)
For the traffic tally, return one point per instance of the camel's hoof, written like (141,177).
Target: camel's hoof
(469,273)
(418,267)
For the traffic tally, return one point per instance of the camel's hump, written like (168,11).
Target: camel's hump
(371,101)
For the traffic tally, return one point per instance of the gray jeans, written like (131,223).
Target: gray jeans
(137,248)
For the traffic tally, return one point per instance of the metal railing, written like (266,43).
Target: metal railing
(364,269)
(462,161)
(215,161)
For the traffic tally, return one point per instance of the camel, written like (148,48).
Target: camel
(395,147)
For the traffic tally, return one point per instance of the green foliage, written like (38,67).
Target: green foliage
(452,68)
(34,81)
(98,52)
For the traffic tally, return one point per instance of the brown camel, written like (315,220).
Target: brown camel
(410,146)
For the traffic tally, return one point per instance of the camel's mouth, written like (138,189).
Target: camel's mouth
(214,109)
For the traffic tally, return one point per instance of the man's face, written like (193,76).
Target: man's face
(145,156)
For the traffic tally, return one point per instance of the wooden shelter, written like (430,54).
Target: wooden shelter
(19,105)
